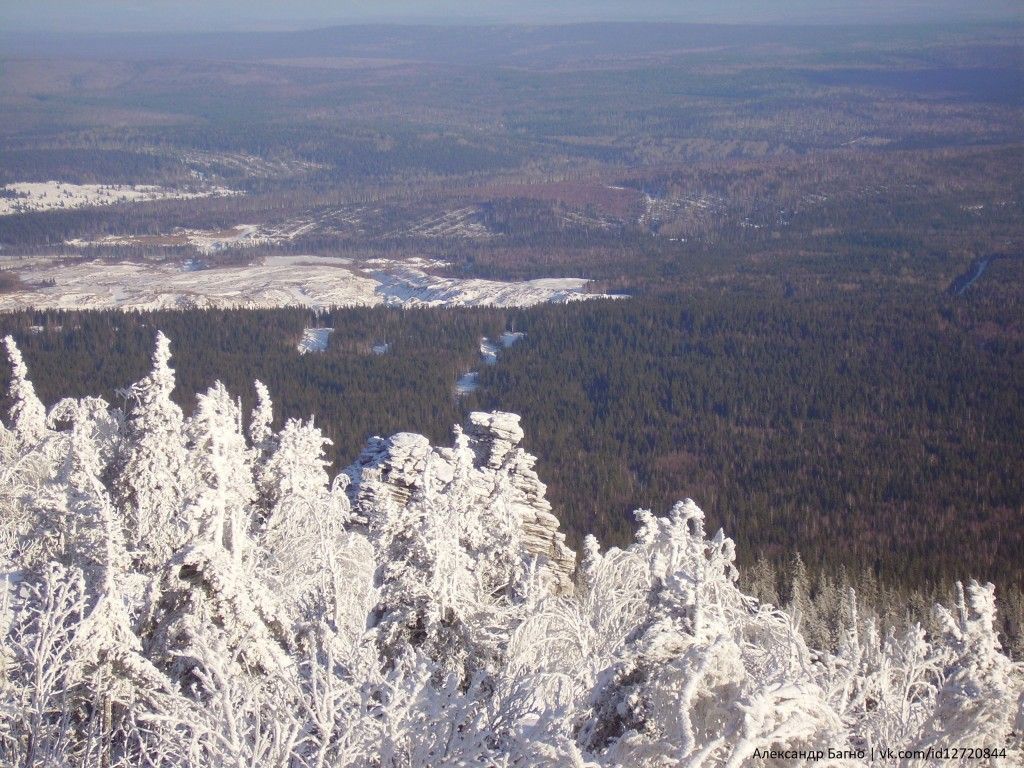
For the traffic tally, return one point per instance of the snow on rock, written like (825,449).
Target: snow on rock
(393,469)
(50,195)
(314,340)
(309,281)
(398,461)
(495,438)
(494,435)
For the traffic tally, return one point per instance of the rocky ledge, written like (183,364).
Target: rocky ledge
(390,470)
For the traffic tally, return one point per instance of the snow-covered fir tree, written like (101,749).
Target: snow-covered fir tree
(153,478)
(28,416)
(201,592)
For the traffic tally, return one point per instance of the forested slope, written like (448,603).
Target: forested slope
(874,430)
(199,592)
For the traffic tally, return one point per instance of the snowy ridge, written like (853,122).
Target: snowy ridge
(309,281)
(200,592)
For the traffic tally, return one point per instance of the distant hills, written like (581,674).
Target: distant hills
(514,45)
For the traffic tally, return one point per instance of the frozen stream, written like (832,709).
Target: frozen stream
(977,268)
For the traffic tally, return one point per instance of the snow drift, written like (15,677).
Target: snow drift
(200,592)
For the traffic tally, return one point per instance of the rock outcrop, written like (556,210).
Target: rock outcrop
(389,470)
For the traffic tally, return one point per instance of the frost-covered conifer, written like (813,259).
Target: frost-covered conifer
(220,464)
(154,477)
(799,598)
(264,622)
(301,526)
(293,479)
(39,691)
(28,416)
(415,604)
(762,579)
(91,530)
(261,432)
(981,691)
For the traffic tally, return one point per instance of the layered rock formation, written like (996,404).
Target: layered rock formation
(390,470)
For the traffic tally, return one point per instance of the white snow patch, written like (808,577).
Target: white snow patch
(488,351)
(315,340)
(510,338)
(412,287)
(381,348)
(660,209)
(212,241)
(468,382)
(53,195)
(309,281)
(462,223)
(241,235)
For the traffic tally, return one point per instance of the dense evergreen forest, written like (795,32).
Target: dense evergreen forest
(355,392)
(871,430)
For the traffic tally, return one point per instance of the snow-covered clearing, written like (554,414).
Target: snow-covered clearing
(204,240)
(510,338)
(468,382)
(464,222)
(314,340)
(250,165)
(310,281)
(660,209)
(238,236)
(413,287)
(578,219)
(51,195)
(489,351)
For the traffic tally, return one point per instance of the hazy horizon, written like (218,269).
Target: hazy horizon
(66,16)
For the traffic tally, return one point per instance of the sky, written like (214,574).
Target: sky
(243,15)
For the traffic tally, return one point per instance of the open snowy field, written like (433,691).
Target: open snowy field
(314,340)
(51,195)
(311,281)
(464,222)
(213,240)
